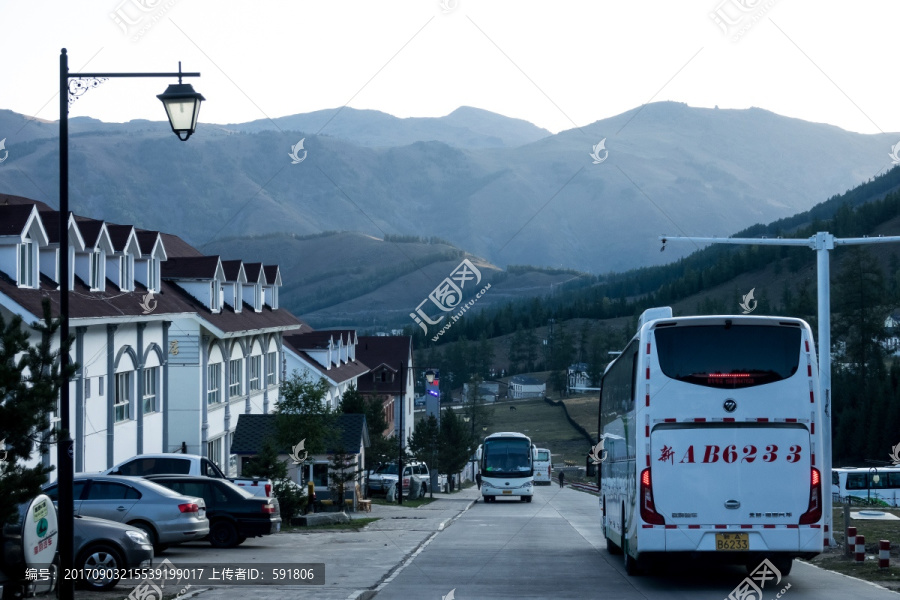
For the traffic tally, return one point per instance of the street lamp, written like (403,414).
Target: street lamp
(401,434)
(182,106)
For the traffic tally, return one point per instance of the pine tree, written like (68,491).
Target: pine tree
(381,447)
(342,472)
(29,391)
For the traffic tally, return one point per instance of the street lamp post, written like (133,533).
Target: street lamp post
(182,105)
(401,434)
(822,242)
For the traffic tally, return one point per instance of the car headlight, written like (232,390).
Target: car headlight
(138,537)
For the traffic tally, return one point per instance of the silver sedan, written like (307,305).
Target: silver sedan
(166,517)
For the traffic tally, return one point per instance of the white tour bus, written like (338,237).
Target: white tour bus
(542,466)
(881,485)
(712,425)
(506,463)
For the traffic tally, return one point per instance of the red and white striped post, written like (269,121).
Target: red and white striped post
(850,544)
(860,548)
(884,554)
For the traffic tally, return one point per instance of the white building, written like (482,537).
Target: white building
(167,359)
(522,386)
(326,354)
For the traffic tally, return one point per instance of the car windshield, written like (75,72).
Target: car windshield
(390,469)
(507,458)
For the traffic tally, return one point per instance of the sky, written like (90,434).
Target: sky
(559,65)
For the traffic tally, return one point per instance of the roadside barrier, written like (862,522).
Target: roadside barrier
(884,554)
(860,548)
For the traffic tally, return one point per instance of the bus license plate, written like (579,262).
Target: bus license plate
(732,541)
(507,491)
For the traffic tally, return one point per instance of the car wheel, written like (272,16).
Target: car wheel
(222,534)
(528,498)
(99,564)
(423,489)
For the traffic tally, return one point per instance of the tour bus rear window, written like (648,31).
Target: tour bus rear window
(729,356)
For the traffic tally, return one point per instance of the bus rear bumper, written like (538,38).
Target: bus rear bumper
(800,541)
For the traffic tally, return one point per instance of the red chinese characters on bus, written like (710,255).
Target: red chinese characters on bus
(711,453)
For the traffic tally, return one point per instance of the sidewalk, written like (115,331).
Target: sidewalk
(356,562)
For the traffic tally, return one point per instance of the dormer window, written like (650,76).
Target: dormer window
(215,296)
(258,302)
(153,275)
(27,275)
(237,297)
(97,264)
(126,272)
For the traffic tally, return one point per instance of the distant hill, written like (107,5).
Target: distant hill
(352,279)
(466,127)
(670,169)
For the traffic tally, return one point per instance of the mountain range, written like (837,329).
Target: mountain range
(498,188)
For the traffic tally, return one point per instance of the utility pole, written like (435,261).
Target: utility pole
(822,242)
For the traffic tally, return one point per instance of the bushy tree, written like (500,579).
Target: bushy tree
(30,382)
(381,447)
(303,414)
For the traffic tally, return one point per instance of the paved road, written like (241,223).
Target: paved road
(550,549)
(553,548)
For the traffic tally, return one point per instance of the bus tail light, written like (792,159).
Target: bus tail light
(548,472)
(648,508)
(814,511)
(268,490)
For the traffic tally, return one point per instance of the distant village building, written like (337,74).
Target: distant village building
(488,391)
(390,378)
(522,386)
(578,378)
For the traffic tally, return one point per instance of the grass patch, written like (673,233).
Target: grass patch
(834,560)
(546,425)
(410,503)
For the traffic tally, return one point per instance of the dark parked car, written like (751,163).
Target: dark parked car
(102,547)
(234,514)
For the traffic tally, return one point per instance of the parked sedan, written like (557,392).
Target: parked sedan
(102,547)
(234,514)
(166,517)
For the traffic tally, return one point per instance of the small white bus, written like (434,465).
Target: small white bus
(542,467)
(876,485)
(506,463)
(712,427)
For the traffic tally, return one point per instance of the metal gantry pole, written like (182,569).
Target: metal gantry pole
(823,242)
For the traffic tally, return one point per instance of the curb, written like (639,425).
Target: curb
(372,592)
